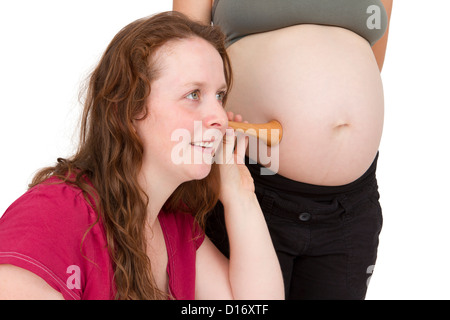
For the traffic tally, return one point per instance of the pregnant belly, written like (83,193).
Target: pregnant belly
(323,85)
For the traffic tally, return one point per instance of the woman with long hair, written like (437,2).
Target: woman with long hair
(123,217)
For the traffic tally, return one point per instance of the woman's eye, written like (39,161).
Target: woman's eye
(220,96)
(194,95)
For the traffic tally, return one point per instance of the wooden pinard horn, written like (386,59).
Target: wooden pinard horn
(270,132)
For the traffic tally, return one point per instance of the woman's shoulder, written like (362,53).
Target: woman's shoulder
(50,229)
(51,201)
(52,213)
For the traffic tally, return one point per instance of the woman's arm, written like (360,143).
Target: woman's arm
(197,10)
(379,49)
(253,271)
(19,284)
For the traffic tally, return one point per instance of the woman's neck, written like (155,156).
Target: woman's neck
(158,190)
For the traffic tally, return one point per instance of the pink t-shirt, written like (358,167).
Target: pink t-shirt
(43,232)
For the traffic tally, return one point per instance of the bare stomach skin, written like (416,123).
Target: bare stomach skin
(323,85)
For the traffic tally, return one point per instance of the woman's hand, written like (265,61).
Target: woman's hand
(236,181)
(253,269)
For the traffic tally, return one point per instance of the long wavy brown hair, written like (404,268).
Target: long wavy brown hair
(110,153)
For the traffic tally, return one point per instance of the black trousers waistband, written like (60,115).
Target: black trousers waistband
(286,185)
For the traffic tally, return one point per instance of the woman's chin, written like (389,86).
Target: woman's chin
(199,171)
(204,172)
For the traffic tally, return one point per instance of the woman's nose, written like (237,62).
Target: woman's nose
(216,118)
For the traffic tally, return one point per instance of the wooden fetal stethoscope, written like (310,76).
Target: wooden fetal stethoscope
(262,131)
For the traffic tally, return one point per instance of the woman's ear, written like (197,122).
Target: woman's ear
(133,125)
(140,116)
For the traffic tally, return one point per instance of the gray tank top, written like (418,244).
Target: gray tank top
(239,18)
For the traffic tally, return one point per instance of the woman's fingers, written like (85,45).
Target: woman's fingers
(234,144)
(229,142)
(241,147)
(232,117)
(224,153)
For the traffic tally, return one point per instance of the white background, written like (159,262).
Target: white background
(48,47)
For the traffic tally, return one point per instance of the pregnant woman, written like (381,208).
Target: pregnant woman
(313,65)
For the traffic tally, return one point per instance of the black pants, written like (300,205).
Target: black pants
(326,238)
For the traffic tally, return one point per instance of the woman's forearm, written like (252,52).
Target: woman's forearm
(197,10)
(254,268)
